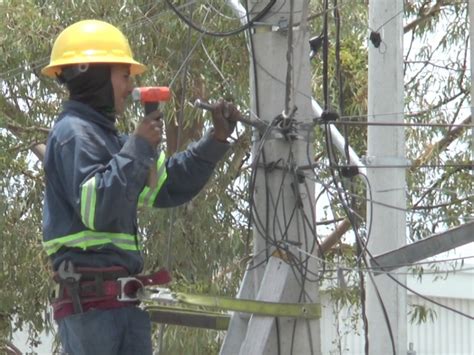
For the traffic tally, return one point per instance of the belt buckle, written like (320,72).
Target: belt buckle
(123,296)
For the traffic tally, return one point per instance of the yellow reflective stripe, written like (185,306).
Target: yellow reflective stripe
(145,196)
(162,175)
(88,200)
(87,239)
(148,195)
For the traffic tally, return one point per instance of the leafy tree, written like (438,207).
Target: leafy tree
(204,241)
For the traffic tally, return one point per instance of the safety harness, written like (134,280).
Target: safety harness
(107,288)
(81,289)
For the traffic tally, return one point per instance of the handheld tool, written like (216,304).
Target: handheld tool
(261,126)
(151,96)
(70,280)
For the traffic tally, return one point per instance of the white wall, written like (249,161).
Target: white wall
(448,334)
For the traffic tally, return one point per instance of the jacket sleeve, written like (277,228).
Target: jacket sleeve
(104,189)
(186,173)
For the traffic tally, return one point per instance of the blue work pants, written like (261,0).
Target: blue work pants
(120,331)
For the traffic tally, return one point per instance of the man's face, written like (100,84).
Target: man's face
(122,85)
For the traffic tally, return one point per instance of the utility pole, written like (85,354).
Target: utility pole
(471,39)
(280,198)
(386,147)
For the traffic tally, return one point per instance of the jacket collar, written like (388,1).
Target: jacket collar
(87,113)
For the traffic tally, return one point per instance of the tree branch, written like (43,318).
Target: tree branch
(335,236)
(15,128)
(436,148)
(428,14)
(10,111)
(434,185)
(456,201)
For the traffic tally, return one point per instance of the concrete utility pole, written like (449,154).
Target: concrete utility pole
(274,194)
(471,39)
(386,146)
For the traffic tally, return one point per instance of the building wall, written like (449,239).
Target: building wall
(447,334)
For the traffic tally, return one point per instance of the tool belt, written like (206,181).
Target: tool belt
(100,288)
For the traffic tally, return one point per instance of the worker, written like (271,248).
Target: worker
(95,181)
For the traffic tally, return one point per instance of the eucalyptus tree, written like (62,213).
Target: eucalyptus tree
(201,242)
(205,242)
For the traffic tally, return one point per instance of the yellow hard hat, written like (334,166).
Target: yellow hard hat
(91,41)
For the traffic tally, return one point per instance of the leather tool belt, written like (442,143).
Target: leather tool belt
(99,288)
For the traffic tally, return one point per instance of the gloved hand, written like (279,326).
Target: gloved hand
(224,117)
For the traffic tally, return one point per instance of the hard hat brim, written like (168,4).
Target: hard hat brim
(54,69)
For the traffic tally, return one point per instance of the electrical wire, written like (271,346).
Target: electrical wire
(275,203)
(349,215)
(188,52)
(402,124)
(370,199)
(184,64)
(326,56)
(289,64)
(334,266)
(233,32)
(390,275)
(361,250)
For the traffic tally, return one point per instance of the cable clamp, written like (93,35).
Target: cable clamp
(329,116)
(281,26)
(388,161)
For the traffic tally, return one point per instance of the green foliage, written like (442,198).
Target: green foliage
(207,234)
(420,314)
(205,241)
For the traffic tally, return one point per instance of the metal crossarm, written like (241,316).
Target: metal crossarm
(425,248)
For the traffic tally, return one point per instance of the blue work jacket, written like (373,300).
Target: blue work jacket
(96,180)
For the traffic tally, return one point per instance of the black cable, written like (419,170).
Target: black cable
(337,19)
(364,246)
(260,150)
(263,228)
(300,262)
(371,219)
(374,261)
(289,61)
(257,111)
(388,273)
(363,297)
(277,328)
(356,233)
(361,247)
(233,32)
(308,157)
(326,56)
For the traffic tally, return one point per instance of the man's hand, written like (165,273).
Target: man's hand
(224,117)
(151,128)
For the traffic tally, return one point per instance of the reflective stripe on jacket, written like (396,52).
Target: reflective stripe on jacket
(96,179)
